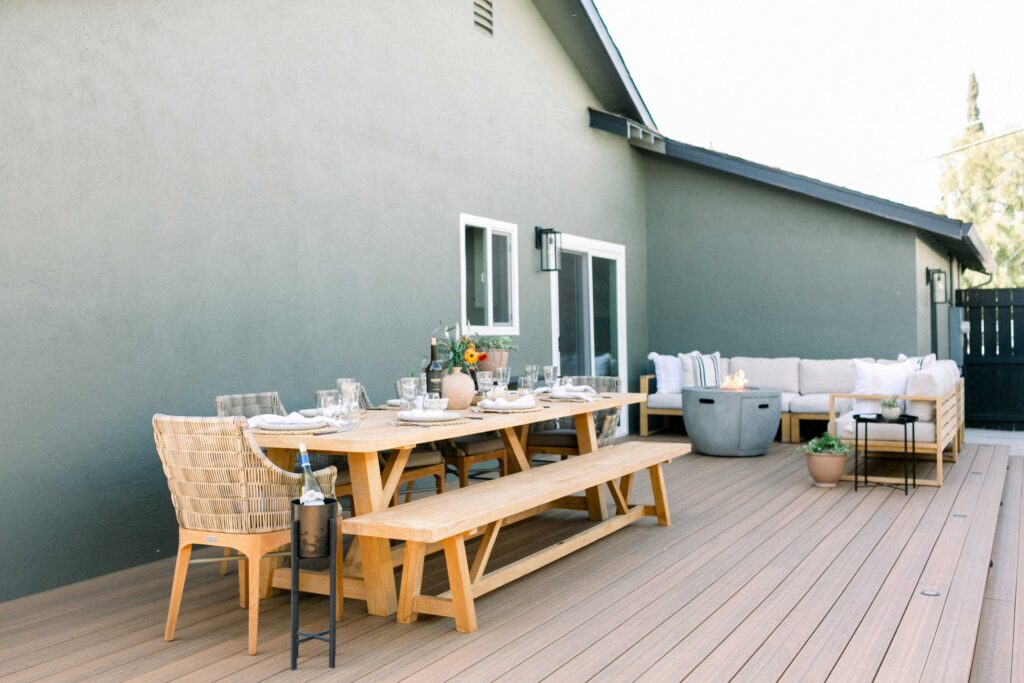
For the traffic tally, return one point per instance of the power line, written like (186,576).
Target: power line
(939,156)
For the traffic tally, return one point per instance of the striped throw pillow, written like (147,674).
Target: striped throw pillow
(706,368)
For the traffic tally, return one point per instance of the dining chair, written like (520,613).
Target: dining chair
(227,493)
(558,437)
(464,452)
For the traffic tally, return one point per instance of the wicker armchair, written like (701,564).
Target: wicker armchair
(558,437)
(226,493)
(249,405)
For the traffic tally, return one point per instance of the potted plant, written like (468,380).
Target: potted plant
(826,459)
(497,350)
(461,354)
(891,408)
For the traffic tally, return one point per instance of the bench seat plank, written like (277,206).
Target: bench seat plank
(436,518)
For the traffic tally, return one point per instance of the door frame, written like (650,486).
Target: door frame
(615,252)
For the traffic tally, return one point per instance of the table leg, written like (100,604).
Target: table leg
(514,447)
(282,457)
(586,442)
(378,569)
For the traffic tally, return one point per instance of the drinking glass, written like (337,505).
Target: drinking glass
(501,379)
(550,374)
(409,386)
(345,384)
(349,415)
(485,380)
(327,404)
(532,372)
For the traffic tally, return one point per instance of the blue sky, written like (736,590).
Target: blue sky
(838,91)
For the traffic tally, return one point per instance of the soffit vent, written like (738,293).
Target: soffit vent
(483,16)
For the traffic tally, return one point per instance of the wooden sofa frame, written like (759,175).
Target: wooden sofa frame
(949,430)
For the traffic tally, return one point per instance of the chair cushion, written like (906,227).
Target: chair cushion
(769,373)
(818,404)
(665,401)
(474,444)
(560,438)
(669,373)
(827,376)
(424,458)
(881,432)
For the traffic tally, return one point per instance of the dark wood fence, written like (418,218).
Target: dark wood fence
(994,357)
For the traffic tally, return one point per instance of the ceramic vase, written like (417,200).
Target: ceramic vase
(459,389)
(891,414)
(825,469)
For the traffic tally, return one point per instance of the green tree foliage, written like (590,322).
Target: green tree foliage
(983,184)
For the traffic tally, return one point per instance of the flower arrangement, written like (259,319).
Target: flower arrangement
(461,352)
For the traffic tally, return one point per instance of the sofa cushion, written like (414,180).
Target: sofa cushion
(787,397)
(706,368)
(921,362)
(665,401)
(881,379)
(669,373)
(886,431)
(933,380)
(769,373)
(827,376)
(817,404)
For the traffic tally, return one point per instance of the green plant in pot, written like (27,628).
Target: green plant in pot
(826,460)
(891,408)
(497,350)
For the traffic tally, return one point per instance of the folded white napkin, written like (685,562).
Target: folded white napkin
(574,389)
(504,404)
(292,419)
(561,393)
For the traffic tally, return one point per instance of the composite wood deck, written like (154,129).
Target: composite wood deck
(760,577)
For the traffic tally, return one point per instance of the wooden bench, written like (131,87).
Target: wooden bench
(450,518)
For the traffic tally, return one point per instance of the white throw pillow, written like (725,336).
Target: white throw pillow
(920,362)
(669,373)
(879,378)
(706,368)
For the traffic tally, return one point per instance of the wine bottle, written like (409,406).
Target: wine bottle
(311,492)
(435,371)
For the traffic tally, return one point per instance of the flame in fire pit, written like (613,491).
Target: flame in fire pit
(735,382)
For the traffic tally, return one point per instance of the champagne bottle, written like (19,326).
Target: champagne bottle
(311,492)
(435,371)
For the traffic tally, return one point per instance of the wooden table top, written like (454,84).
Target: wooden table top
(376,433)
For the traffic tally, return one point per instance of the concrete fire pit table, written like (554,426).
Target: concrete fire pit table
(732,422)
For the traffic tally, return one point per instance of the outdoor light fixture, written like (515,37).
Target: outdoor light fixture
(549,241)
(936,277)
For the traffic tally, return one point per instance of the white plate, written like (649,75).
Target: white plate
(291,426)
(395,402)
(310,412)
(445,416)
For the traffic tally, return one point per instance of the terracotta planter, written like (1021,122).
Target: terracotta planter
(459,389)
(496,358)
(826,469)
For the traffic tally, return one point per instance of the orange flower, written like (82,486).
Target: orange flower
(471,356)
(481,356)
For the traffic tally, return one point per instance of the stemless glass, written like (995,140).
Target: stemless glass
(550,374)
(532,372)
(501,379)
(327,404)
(485,380)
(409,386)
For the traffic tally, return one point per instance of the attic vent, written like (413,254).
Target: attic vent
(483,15)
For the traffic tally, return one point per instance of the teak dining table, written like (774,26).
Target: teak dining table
(370,569)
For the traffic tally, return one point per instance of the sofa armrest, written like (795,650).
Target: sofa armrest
(647,383)
(877,397)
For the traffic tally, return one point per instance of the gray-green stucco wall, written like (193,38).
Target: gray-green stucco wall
(214,197)
(745,269)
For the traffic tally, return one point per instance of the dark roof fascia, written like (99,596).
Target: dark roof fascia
(972,251)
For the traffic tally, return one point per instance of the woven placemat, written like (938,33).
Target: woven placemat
(446,423)
(297,432)
(499,411)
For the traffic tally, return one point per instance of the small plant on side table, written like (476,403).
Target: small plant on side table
(891,408)
(826,459)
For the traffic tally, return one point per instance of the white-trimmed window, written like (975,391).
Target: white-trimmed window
(490,275)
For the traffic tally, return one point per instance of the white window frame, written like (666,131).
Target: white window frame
(503,227)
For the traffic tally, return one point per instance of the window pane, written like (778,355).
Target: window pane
(476,275)
(500,272)
(573,323)
(606,332)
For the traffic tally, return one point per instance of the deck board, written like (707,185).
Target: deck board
(760,577)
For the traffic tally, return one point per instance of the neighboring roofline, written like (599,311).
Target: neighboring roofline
(619,63)
(958,236)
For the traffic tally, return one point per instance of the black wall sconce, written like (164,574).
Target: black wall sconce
(549,241)
(936,277)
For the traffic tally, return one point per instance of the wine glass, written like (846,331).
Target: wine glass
(532,372)
(485,380)
(501,379)
(550,374)
(409,386)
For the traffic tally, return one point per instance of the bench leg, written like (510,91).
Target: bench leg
(461,586)
(786,428)
(660,496)
(625,485)
(412,581)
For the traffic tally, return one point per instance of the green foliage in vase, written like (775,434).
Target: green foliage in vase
(891,402)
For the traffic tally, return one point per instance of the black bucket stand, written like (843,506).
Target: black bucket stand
(327,636)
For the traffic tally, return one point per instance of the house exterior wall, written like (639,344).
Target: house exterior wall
(201,198)
(746,269)
(927,255)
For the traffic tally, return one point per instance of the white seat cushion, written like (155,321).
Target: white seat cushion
(828,376)
(882,432)
(787,398)
(769,373)
(665,401)
(818,404)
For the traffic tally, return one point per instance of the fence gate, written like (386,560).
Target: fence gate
(994,357)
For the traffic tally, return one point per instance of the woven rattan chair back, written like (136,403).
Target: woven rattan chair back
(249,405)
(219,478)
(605,421)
